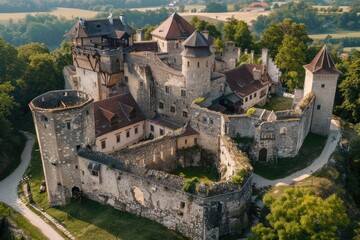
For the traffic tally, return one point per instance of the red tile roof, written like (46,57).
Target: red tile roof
(173,28)
(322,63)
(115,113)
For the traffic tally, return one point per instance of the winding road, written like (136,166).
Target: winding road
(8,192)
(331,143)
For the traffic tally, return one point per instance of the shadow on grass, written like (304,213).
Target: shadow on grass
(309,151)
(92,220)
(205,174)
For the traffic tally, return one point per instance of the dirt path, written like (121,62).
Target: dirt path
(8,192)
(331,143)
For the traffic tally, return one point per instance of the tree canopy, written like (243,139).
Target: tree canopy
(300,214)
(239,32)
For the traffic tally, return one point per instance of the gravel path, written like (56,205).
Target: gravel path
(8,192)
(332,141)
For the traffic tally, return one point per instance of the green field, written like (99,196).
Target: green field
(91,220)
(277,103)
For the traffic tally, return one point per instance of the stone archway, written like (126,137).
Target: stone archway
(263,155)
(75,192)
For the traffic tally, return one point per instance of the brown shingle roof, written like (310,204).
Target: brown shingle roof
(241,79)
(196,46)
(115,113)
(322,63)
(173,28)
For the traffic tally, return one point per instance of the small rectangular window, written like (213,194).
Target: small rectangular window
(103,144)
(250,97)
(254,95)
(127,133)
(126,79)
(167,89)
(195,141)
(172,109)
(318,107)
(183,92)
(152,128)
(136,130)
(185,141)
(118,138)
(68,125)
(184,114)
(161,132)
(182,204)
(322,85)
(246,99)
(161,105)
(94,173)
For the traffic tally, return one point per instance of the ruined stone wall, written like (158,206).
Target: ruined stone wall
(158,154)
(231,159)
(208,124)
(241,124)
(60,132)
(88,81)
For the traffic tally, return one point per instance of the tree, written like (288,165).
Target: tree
(6,105)
(215,7)
(290,60)
(350,90)
(202,25)
(300,214)
(9,63)
(274,35)
(26,51)
(238,31)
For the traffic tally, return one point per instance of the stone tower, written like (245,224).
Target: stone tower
(64,122)
(197,62)
(321,79)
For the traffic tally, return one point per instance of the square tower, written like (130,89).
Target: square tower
(321,79)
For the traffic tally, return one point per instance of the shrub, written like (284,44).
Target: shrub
(239,177)
(250,111)
(199,100)
(190,185)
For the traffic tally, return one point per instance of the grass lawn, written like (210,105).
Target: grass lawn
(204,174)
(21,222)
(336,35)
(310,150)
(277,103)
(91,220)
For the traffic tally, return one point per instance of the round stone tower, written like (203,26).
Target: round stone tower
(64,122)
(321,79)
(197,62)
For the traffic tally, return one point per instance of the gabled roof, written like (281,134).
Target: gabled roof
(115,113)
(322,63)
(173,28)
(196,46)
(100,27)
(241,79)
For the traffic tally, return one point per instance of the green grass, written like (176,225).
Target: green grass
(21,222)
(12,151)
(204,174)
(277,103)
(91,220)
(310,150)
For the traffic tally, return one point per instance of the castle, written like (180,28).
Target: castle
(134,111)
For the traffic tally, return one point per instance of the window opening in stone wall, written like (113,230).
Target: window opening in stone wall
(167,89)
(185,114)
(183,92)
(76,167)
(136,130)
(78,147)
(207,64)
(283,130)
(188,64)
(204,119)
(182,204)
(141,84)
(161,105)
(95,173)
(127,133)
(185,141)
(318,107)
(220,88)
(195,141)
(117,137)
(126,79)
(211,121)
(103,144)
(68,125)
(44,118)
(172,109)
(250,97)
(161,131)
(198,64)
(152,128)
(246,99)
(177,45)
(255,95)
(322,85)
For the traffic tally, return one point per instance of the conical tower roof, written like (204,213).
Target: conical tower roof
(196,46)
(322,63)
(173,28)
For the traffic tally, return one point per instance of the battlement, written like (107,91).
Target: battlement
(59,100)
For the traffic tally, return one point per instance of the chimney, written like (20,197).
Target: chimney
(256,74)
(111,20)
(81,21)
(205,33)
(139,35)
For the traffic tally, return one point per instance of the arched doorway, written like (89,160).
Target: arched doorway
(263,155)
(75,192)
